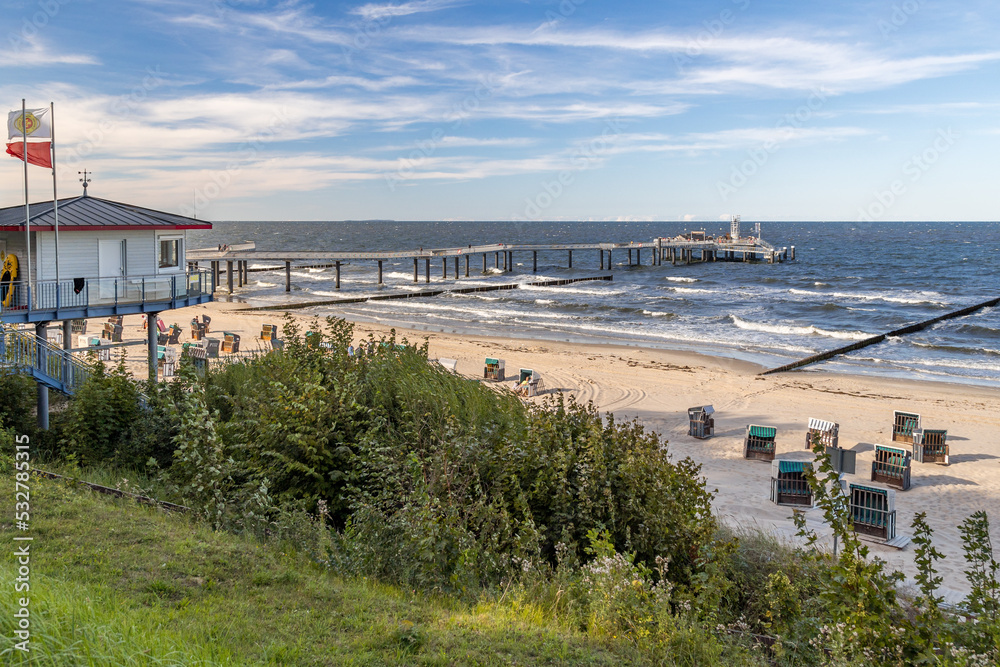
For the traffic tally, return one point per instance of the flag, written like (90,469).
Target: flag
(39,152)
(36,124)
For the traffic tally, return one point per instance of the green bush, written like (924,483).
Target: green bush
(17,402)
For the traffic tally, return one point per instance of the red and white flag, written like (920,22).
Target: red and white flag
(36,124)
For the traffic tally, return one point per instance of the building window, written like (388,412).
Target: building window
(170,253)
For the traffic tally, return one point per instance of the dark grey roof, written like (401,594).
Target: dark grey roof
(91,212)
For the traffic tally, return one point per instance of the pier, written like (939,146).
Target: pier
(694,247)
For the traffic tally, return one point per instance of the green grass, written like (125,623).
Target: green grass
(116,583)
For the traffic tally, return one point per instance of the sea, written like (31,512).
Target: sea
(849,281)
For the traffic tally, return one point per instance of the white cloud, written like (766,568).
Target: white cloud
(375,11)
(32,52)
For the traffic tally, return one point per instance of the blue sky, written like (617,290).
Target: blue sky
(571,110)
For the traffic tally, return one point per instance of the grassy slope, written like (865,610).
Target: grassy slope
(117,583)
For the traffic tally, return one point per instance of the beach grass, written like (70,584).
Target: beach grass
(116,583)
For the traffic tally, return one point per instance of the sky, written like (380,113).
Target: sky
(518,110)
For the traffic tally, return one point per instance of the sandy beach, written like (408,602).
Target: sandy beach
(657,387)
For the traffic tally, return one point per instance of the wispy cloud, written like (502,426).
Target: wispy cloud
(378,11)
(31,51)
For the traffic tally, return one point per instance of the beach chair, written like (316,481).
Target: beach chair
(160,326)
(205,322)
(269,332)
(701,423)
(197,354)
(534,381)
(891,467)
(166,360)
(277,344)
(211,347)
(79,326)
(494,369)
(788,483)
(903,426)
(174,335)
(873,511)
(197,329)
(758,443)
(230,342)
(117,319)
(930,446)
(313,339)
(449,364)
(828,432)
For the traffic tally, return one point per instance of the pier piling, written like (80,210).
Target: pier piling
(380,272)
(288,276)
(338,274)
(534,261)
(416,271)
(570,259)
(466,266)
(229,275)
(427,270)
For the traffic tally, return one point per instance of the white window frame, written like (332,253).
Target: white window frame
(179,268)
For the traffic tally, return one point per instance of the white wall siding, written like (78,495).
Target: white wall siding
(78,254)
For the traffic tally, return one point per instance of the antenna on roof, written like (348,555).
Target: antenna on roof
(85,180)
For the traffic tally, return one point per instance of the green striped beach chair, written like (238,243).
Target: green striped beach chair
(891,467)
(758,443)
(903,426)
(873,511)
(930,446)
(788,483)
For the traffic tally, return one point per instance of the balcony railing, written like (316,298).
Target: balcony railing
(51,295)
(53,366)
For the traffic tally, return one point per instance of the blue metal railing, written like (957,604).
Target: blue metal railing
(86,292)
(48,363)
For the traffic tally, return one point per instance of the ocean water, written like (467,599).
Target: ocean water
(849,281)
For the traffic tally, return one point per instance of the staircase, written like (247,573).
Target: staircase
(48,364)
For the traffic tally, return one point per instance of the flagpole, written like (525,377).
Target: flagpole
(27,211)
(55,198)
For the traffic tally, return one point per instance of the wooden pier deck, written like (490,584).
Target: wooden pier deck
(674,251)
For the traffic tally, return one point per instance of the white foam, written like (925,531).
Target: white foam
(918,297)
(656,313)
(679,279)
(797,331)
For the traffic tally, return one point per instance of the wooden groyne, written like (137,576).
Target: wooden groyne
(422,294)
(912,328)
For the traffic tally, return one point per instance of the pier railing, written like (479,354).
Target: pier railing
(83,293)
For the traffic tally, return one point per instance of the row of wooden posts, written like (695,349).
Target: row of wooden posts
(670,254)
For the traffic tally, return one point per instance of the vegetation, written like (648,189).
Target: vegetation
(380,467)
